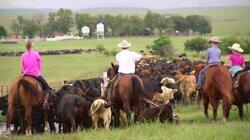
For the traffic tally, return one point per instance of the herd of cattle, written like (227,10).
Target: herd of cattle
(79,104)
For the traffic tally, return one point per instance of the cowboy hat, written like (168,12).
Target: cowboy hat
(124,44)
(236,47)
(214,39)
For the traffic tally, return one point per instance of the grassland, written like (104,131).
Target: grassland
(193,126)
(58,68)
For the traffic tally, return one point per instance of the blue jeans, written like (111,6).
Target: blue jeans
(234,69)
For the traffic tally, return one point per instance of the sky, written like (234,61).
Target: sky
(86,4)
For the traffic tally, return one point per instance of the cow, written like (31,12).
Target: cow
(99,113)
(163,112)
(71,111)
(164,97)
(187,85)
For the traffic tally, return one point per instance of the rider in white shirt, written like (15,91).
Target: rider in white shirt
(126,61)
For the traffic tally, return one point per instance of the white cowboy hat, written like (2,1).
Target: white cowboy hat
(236,47)
(124,44)
(215,39)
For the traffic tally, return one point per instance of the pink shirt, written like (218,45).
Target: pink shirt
(236,59)
(31,63)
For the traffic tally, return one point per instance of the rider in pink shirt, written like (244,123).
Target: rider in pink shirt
(31,63)
(31,66)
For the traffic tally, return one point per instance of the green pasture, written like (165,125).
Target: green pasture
(66,67)
(63,67)
(193,126)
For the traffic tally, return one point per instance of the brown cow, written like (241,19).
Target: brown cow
(163,112)
(187,85)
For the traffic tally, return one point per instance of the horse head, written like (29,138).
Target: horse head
(111,72)
(197,69)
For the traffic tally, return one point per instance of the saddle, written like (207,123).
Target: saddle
(212,65)
(237,76)
(39,83)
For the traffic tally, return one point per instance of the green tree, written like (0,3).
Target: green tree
(136,24)
(179,23)
(157,21)
(199,24)
(85,20)
(3,31)
(163,47)
(64,20)
(20,20)
(197,44)
(30,27)
(230,40)
(15,27)
(51,26)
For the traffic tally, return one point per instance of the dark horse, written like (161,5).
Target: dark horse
(127,95)
(217,85)
(242,92)
(25,92)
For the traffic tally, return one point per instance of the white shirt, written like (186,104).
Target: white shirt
(126,60)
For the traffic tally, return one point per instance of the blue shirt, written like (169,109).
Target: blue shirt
(213,55)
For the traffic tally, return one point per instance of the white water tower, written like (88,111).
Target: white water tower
(85,31)
(100,31)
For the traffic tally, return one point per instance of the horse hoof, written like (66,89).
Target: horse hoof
(8,132)
(224,120)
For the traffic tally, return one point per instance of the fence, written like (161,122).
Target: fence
(59,84)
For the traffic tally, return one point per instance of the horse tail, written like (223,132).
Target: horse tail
(138,87)
(27,86)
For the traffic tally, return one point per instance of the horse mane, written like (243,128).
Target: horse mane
(28,86)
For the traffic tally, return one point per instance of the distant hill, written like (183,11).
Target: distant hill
(27,11)
(113,10)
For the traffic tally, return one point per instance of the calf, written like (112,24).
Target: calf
(187,85)
(71,111)
(99,112)
(163,112)
(164,97)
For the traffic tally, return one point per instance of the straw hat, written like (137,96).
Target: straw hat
(124,44)
(214,39)
(236,47)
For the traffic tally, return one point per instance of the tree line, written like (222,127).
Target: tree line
(63,21)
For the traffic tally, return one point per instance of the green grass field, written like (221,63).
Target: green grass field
(63,67)
(193,126)
(67,67)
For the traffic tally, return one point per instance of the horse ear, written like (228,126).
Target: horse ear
(112,64)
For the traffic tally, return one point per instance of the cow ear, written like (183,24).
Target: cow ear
(112,64)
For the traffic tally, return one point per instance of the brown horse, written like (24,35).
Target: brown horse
(242,92)
(24,92)
(127,95)
(217,85)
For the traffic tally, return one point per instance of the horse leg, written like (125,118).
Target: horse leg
(126,106)
(215,105)
(116,114)
(9,118)
(240,107)
(205,104)
(136,115)
(226,109)
(28,120)
(73,124)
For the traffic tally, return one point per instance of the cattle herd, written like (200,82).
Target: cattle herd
(78,104)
